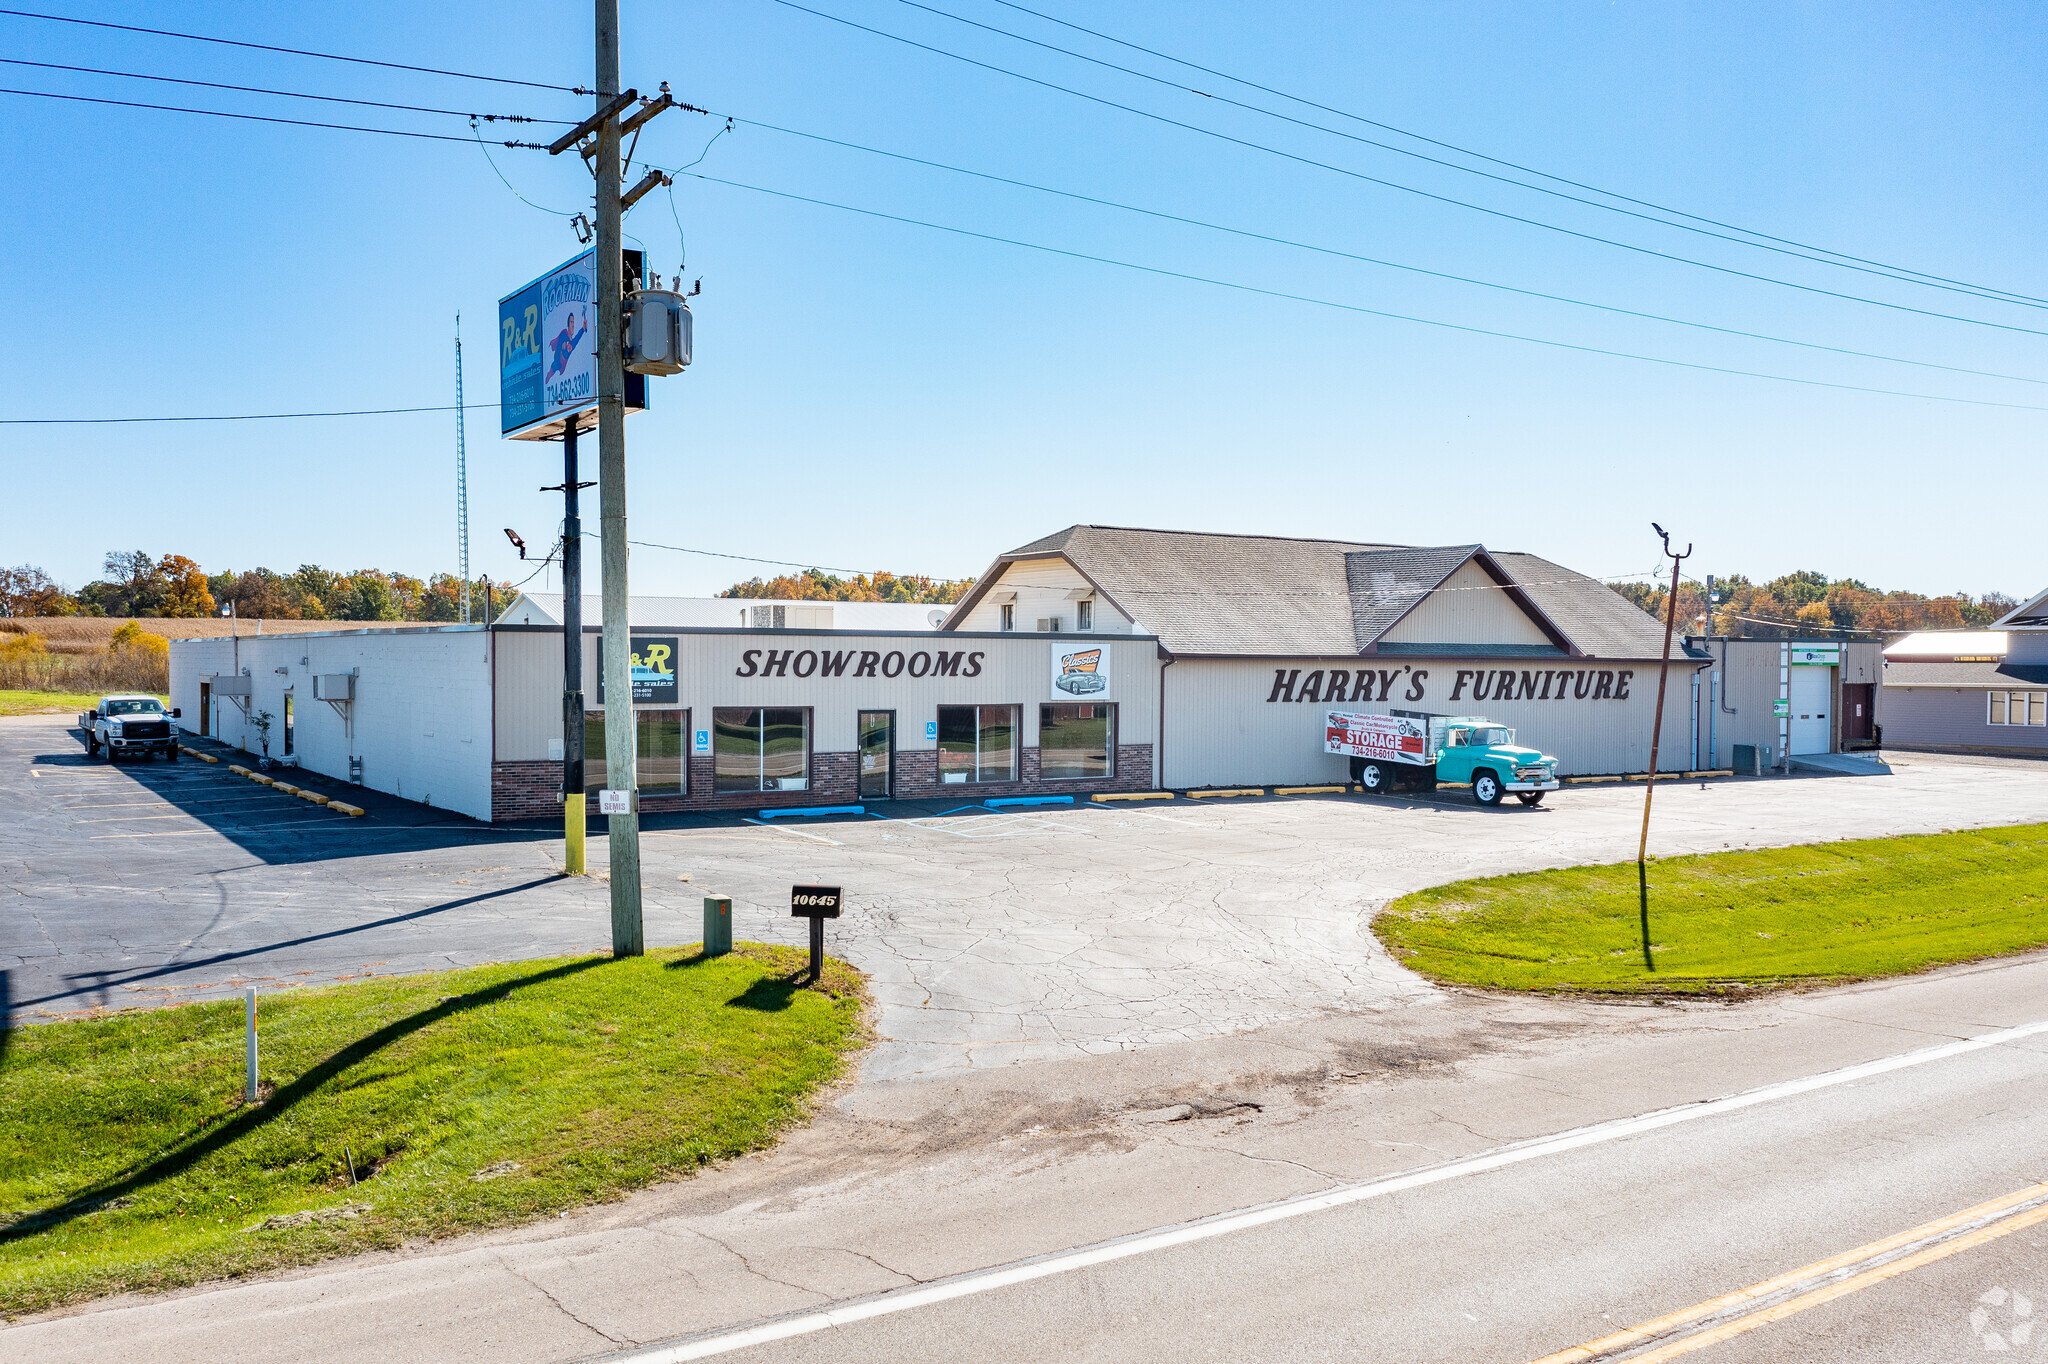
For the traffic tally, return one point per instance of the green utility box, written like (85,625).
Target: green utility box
(717,925)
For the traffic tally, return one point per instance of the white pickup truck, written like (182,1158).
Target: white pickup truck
(125,726)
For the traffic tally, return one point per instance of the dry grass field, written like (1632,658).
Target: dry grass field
(92,634)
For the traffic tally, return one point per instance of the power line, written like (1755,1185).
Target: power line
(1409,189)
(1368,260)
(293,51)
(1357,308)
(237,417)
(1964,285)
(1925,282)
(285,94)
(260,118)
(483,147)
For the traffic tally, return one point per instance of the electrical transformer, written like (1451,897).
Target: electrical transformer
(657,332)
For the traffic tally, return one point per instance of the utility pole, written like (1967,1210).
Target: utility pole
(1656,739)
(621,747)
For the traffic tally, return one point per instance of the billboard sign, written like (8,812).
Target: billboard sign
(1080,675)
(1386,738)
(547,353)
(654,670)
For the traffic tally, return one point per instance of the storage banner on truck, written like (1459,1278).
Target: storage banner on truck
(1388,738)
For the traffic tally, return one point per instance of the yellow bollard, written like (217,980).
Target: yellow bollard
(572,833)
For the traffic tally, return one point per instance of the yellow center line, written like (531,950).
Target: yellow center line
(1649,1330)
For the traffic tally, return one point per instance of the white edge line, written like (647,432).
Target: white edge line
(1223,1224)
(785,829)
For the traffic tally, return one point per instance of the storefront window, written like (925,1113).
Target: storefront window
(761,750)
(977,743)
(659,768)
(661,750)
(1076,742)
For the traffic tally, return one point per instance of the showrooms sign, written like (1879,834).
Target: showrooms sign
(857,663)
(1467,684)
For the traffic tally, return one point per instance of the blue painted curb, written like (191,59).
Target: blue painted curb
(1002,801)
(817,810)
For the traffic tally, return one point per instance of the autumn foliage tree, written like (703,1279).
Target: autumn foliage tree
(816,585)
(1810,605)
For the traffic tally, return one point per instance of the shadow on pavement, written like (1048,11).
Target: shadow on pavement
(283,829)
(101,981)
(279,1104)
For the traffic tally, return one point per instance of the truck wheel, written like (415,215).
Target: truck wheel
(1485,787)
(1529,797)
(171,754)
(1371,779)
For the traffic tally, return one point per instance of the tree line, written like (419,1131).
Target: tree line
(1810,604)
(816,585)
(135,584)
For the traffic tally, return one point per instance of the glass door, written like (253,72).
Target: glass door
(877,752)
(289,724)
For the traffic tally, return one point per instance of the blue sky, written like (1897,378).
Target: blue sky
(872,394)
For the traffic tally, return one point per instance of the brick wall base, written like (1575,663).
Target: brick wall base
(529,790)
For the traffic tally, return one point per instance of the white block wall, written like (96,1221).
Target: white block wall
(421,719)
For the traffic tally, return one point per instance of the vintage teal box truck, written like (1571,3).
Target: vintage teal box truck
(1422,750)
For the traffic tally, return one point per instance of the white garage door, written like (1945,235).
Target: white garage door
(1810,707)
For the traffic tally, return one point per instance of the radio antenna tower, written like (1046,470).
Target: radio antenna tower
(461,480)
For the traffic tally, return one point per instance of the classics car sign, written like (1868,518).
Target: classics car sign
(1080,674)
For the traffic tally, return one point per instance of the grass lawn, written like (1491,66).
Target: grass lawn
(1736,921)
(67,702)
(465,1099)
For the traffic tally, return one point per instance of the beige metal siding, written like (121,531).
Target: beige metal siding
(1014,670)
(1470,608)
(1042,586)
(1749,685)
(1222,730)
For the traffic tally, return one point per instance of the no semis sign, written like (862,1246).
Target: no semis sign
(814,902)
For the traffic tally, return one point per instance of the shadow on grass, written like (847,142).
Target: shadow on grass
(771,994)
(198,1147)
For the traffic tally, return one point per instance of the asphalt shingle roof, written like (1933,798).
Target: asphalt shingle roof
(1267,595)
(1902,673)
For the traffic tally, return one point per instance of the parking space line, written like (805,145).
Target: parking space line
(163,833)
(127,819)
(800,833)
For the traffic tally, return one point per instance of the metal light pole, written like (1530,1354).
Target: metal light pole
(1656,740)
(620,739)
(572,658)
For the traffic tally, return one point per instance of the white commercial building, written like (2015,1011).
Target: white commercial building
(1098,659)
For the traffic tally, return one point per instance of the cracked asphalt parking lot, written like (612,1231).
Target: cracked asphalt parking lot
(991,937)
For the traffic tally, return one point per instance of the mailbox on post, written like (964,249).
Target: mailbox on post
(816,903)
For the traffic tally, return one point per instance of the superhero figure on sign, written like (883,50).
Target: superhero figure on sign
(564,345)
